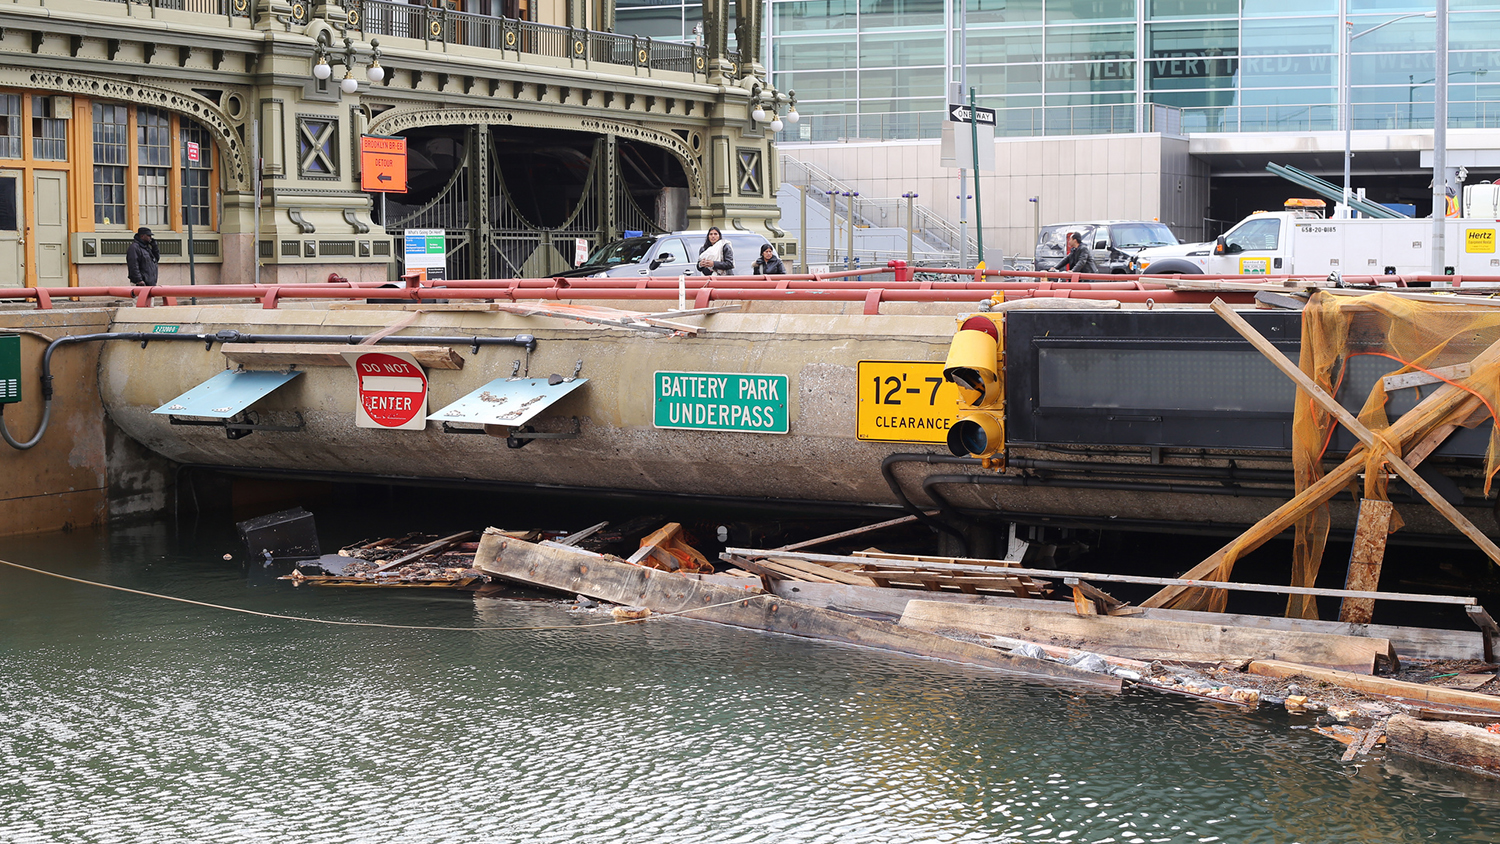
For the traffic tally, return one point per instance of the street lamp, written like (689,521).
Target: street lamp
(1413,84)
(323,68)
(1348,115)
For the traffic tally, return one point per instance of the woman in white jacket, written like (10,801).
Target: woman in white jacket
(717,256)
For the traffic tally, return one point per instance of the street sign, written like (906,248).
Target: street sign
(720,401)
(392,391)
(904,402)
(382,164)
(426,249)
(959,113)
(580,251)
(192,152)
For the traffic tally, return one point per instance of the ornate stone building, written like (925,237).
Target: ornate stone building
(528,127)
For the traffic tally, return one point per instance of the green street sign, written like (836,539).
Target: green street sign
(165,329)
(720,401)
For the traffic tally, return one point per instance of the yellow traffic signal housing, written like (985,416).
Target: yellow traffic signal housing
(976,366)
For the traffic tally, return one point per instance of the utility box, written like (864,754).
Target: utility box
(290,534)
(10,368)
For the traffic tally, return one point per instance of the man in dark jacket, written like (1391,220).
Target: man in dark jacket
(1079,258)
(141,258)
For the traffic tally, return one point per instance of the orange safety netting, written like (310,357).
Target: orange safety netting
(1412,336)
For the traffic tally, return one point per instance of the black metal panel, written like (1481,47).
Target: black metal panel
(1171,378)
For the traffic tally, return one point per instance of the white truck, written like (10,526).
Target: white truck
(1297,243)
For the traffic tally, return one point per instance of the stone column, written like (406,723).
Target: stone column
(747,32)
(716,41)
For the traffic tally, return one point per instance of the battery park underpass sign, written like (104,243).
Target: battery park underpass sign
(720,401)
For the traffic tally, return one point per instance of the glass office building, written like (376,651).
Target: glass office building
(876,68)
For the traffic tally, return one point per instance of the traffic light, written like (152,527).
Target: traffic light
(975,366)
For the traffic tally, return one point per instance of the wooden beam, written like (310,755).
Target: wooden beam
(1365,559)
(275,355)
(1377,685)
(1456,372)
(1363,744)
(665,592)
(1464,745)
(1487,628)
(1357,428)
(1147,639)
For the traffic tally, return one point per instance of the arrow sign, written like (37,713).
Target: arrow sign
(382,164)
(383,177)
(959,113)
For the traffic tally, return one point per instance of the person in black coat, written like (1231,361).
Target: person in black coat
(141,258)
(769,263)
(1079,258)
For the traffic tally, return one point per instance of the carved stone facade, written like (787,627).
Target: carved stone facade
(283,201)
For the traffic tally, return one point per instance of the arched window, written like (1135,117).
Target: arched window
(143,174)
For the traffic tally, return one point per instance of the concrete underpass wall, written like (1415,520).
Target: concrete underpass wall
(65,481)
(1086,177)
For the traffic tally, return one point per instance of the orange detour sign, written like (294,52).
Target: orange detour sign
(382,164)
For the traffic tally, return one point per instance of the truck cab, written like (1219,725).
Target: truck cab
(1255,246)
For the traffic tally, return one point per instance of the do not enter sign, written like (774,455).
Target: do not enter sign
(392,391)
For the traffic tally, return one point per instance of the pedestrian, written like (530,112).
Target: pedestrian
(769,263)
(141,258)
(717,256)
(1079,259)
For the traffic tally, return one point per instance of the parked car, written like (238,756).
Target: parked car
(610,255)
(672,254)
(1113,242)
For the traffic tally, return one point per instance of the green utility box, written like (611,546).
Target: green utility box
(10,368)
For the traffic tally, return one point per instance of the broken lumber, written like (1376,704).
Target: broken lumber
(1148,639)
(1464,745)
(424,550)
(670,593)
(1365,559)
(1377,685)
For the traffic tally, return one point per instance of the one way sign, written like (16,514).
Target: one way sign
(959,113)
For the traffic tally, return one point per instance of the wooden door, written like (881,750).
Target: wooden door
(50,229)
(12,230)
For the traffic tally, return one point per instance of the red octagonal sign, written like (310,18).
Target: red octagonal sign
(392,391)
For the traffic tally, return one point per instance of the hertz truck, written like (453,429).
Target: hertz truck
(1296,243)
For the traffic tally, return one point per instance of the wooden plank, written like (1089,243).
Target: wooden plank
(1365,558)
(331,354)
(1363,745)
(1377,685)
(1104,600)
(1357,428)
(832,575)
(1082,603)
(424,550)
(575,538)
(1147,639)
(1472,412)
(1009,571)
(664,592)
(1456,372)
(859,531)
(1464,745)
(1413,642)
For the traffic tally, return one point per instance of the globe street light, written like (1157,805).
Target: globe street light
(1348,116)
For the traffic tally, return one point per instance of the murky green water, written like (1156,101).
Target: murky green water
(128,719)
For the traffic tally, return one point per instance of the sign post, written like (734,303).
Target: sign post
(392,391)
(187,212)
(382,167)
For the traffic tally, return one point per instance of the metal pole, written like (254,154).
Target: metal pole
(1346,90)
(1440,143)
(963,177)
(849,258)
(978,209)
(802,250)
(255,182)
(910,225)
(832,207)
(1036,227)
(187,213)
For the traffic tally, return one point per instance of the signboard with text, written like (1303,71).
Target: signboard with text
(382,164)
(720,401)
(392,391)
(904,402)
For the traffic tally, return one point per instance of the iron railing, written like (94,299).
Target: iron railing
(875,211)
(226,8)
(449,26)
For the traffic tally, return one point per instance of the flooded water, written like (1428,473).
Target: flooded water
(132,719)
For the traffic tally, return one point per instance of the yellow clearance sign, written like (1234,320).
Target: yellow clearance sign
(1480,240)
(904,402)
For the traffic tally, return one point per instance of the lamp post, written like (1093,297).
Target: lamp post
(1440,140)
(910,224)
(1413,84)
(1347,89)
(323,68)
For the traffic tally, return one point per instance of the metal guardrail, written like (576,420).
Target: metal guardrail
(450,26)
(876,211)
(1009,122)
(225,8)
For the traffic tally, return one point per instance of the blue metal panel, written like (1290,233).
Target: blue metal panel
(504,401)
(226,394)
